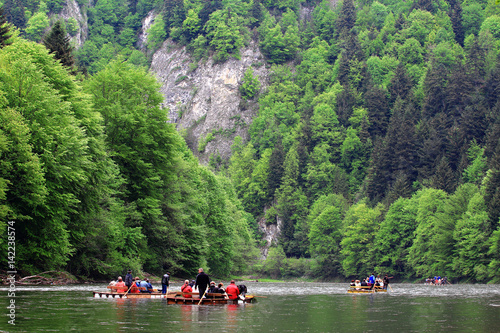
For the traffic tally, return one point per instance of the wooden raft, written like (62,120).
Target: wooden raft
(365,290)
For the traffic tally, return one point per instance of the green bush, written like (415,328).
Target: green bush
(72,26)
(250,86)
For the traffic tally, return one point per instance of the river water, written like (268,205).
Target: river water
(283,307)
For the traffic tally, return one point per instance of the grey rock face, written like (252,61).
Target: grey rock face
(71,9)
(204,98)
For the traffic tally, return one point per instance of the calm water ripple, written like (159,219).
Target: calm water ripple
(283,307)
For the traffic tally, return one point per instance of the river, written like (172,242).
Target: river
(283,307)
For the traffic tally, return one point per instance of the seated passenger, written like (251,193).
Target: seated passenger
(232,290)
(121,284)
(220,288)
(135,285)
(212,288)
(353,283)
(364,284)
(149,288)
(186,288)
(144,285)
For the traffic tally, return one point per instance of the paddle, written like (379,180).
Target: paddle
(129,289)
(257,296)
(390,287)
(201,298)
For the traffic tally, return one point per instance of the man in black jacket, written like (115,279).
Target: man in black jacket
(129,279)
(202,282)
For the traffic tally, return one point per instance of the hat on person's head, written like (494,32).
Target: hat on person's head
(187,281)
(130,271)
(212,283)
(119,278)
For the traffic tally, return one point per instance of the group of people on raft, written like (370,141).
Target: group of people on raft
(137,285)
(202,283)
(205,285)
(371,282)
(437,280)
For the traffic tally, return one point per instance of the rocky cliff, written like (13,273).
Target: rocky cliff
(204,98)
(72,9)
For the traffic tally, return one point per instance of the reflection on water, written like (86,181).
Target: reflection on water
(283,307)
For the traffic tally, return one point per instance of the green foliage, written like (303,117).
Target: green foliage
(72,26)
(491,25)
(250,85)
(325,233)
(360,226)
(225,35)
(371,99)
(474,173)
(156,33)
(36,25)
(204,141)
(58,140)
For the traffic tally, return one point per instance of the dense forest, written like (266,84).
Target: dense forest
(376,147)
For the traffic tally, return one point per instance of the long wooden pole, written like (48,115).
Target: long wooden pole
(129,288)
(201,298)
(390,286)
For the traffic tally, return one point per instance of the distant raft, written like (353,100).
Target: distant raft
(365,290)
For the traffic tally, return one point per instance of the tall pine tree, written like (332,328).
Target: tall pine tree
(58,43)
(4,30)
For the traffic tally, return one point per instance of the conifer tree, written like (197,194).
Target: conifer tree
(276,166)
(424,5)
(430,152)
(458,90)
(492,86)
(435,96)
(14,13)
(444,178)
(401,143)
(347,17)
(492,190)
(378,110)
(476,61)
(256,13)
(4,30)
(378,176)
(473,120)
(455,13)
(208,8)
(400,85)
(58,43)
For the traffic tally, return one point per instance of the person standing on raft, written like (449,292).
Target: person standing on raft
(165,281)
(202,282)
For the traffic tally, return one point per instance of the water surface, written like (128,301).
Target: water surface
(283,307)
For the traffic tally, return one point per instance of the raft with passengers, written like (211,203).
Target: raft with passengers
(210,294)
(369,285)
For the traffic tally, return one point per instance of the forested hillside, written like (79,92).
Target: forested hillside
(375,149)
(93,178)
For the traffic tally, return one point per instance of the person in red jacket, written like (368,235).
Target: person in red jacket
(121,284)
(232,290)
(186,288)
